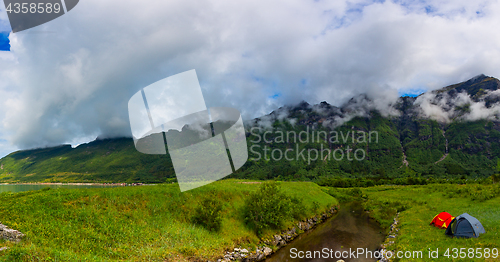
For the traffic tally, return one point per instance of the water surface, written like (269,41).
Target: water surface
(351,227)
(14,188)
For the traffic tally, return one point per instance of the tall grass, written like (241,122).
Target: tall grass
(419,204)
(148,223)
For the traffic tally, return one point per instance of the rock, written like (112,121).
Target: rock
(244,250)
(276,241)
(3,248)
(391,236)
(267,251)
(10,234)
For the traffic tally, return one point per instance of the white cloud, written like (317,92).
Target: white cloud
(71,78)
(445,108)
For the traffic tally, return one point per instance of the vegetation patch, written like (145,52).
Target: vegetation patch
(144,223)
(419,204)
(270,208)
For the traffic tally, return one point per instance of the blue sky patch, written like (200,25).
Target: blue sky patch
(275,96)
(4,41)
(412,92)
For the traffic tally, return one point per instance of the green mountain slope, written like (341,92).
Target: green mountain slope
(109,160)
(409,143)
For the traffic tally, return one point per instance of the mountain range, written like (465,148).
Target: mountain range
(446,133)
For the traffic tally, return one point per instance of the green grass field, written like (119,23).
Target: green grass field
(419,204)
(146,223)
(154,223)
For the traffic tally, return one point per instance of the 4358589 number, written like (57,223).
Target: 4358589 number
(471,253)
(33,8)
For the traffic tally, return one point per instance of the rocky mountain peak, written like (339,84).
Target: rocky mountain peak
(476,87)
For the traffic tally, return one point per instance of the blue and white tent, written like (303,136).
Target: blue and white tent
(466,226)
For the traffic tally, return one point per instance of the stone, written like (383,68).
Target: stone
(267,251)
(244,250)
(276,241)
(10,234)
(3,248)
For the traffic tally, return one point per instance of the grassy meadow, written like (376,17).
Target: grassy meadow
(143,223)
(419,204)
(158,223)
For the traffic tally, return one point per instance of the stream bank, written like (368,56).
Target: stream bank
(278,241)
(350,229)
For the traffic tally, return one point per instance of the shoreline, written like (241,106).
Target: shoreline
(272,243)
(75,184)
(386,246)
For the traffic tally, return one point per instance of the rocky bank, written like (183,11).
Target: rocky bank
(270,244)
(389,241)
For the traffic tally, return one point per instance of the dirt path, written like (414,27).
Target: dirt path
(445,152)
(405,162)
(442,158)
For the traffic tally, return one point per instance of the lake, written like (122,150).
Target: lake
(28,187)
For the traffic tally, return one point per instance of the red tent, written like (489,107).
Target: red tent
(442,220)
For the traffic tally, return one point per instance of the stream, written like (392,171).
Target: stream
(351,228)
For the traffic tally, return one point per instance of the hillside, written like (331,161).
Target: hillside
(450,132)
(147,223)
(108,160)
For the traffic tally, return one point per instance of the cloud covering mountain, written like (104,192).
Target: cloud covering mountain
(69,80)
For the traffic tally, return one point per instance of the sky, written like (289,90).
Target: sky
(69,80)
(4,41)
